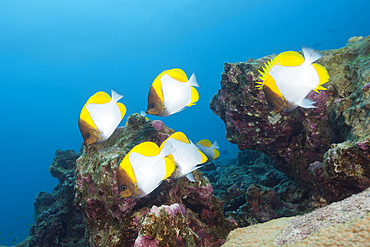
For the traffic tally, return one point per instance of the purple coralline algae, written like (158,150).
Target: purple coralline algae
(324,149)
(177,213)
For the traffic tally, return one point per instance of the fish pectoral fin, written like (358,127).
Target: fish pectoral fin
(143,113)
(190,177)
(306,103)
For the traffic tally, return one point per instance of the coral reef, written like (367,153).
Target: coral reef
(177,213)
(253,191)
(325,149)
(58,222)
(344,223)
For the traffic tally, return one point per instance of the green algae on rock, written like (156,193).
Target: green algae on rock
(114,221)
(325,149)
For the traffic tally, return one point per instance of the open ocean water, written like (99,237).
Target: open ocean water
(55,54)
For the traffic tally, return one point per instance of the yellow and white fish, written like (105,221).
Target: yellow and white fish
(289,77)
(187,156)
(171,92)
(209,149)
(143,169)
(100,117)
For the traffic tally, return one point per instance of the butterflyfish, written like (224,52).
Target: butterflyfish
(289,77)
(171,92)
(209,149)
(143,169)
(100,116)
(187,156)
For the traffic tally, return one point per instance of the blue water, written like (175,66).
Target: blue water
(55,54)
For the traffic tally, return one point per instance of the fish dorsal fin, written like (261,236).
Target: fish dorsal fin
(177,74)
(289,58)
(180,137)
(194,96)
(270,83)
(98,98)
(205,143)
(146,149)
(126,165)
(323,75)
(122,109)
(157,85)
(267,79)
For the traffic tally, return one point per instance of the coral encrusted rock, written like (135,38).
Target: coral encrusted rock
(253,191)
(326,149)
(58,222)
(178,213)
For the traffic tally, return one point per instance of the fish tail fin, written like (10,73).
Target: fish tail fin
(216,145)
(115,96)
(193,80)
(311,55)
(167,149)
(306,103)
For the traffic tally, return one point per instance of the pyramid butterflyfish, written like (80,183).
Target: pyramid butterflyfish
(100,116)
(289,77)
(187,156)
(143,169)
(209,149)
(171,92)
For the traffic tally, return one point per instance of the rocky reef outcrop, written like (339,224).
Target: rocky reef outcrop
(57,221)
(178,213)
(326,150)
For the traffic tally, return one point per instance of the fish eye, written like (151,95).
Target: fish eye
(87,135)
(151,105)
(123,187)
(271,105)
